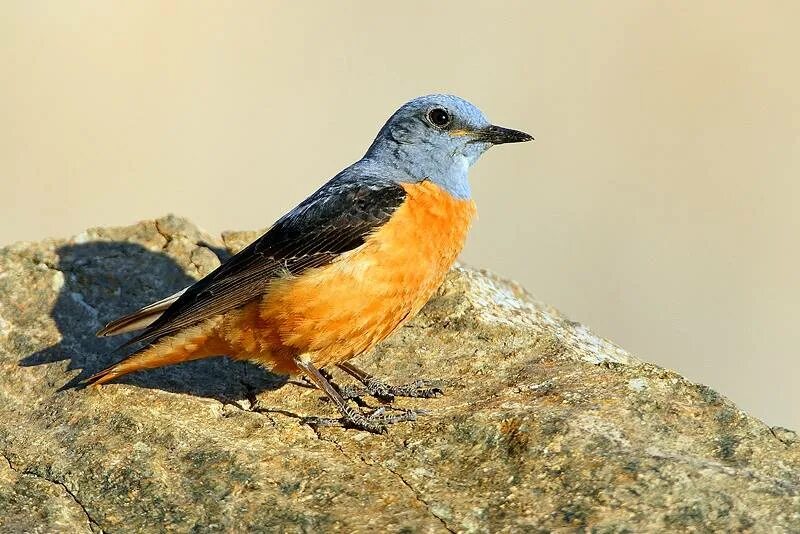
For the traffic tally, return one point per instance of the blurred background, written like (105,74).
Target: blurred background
(658,203)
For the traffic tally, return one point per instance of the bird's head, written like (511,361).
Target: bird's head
(438,137)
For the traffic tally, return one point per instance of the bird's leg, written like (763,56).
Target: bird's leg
(384,392)
(351,416)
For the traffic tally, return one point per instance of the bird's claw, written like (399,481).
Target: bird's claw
(376,422)
(423,389)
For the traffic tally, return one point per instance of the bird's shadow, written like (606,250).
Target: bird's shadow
(104,280)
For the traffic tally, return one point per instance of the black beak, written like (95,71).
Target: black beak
(497,135)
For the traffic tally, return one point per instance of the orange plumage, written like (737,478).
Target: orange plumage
(332,313)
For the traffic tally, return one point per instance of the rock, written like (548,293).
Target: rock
(544,424)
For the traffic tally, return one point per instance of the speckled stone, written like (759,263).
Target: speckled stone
(544,424)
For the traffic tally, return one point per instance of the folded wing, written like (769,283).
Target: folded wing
(334,220)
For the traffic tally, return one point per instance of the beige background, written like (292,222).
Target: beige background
(658,203)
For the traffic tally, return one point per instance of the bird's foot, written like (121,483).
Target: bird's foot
(423,389)
(376,422)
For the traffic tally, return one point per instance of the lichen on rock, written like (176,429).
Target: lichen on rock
(544,424)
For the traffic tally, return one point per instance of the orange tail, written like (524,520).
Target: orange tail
(194,343)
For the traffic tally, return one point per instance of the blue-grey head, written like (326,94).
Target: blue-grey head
(436,138)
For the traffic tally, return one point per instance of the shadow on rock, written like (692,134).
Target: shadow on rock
(105,280)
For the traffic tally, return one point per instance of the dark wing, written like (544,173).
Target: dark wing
(335,219)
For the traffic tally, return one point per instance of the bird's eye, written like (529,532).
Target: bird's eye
(439,117)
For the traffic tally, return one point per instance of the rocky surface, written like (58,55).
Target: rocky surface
(544,424)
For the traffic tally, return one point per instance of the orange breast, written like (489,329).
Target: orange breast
(340,310)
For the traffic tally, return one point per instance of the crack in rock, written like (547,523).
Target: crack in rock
(94,526)
(417,497)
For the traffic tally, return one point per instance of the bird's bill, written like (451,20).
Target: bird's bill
(497,135)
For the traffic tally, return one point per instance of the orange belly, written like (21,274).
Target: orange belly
(338,311)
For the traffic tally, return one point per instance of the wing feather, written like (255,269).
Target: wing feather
(334,220)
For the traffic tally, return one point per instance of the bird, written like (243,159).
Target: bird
(341,271)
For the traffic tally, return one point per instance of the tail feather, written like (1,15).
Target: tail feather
(140,318)
(197,342)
